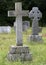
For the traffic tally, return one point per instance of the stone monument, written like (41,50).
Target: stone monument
(25,26)
(35,16)
(18,52)
(5,29)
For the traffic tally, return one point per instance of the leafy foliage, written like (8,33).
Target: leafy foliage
(6,5)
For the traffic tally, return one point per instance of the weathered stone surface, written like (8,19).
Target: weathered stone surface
(22,57)
(26,56)
(25,25)
(13,57)
(35,15)
(19,53)
(19,49)
(40,29)
(18,13)
(37,38)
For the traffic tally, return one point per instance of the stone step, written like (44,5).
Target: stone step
(18,49)
(37,38)
(22,57)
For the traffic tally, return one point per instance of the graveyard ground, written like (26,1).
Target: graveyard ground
(38,49)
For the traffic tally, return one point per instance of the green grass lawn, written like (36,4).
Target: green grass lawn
(37,49)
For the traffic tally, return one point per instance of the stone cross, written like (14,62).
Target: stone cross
(18,13)
(25,26)
(35,16)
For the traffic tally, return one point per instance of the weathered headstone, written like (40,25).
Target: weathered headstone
(35,16)
(19,52)
(5,29)
(25,25)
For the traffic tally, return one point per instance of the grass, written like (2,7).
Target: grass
(37,49)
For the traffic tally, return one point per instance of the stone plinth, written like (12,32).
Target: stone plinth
(37,38)
(19,53)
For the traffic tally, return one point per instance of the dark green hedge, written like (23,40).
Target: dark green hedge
(6,5)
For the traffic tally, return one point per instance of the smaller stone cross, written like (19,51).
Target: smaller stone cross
(35,16)
(18,13)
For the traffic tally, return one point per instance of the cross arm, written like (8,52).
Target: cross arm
(11,13)
(25,13)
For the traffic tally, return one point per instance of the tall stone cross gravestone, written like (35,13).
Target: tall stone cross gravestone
(18,13)
(19,51)
(35,16)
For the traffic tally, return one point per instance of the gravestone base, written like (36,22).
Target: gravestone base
(19,53)
(36,38)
